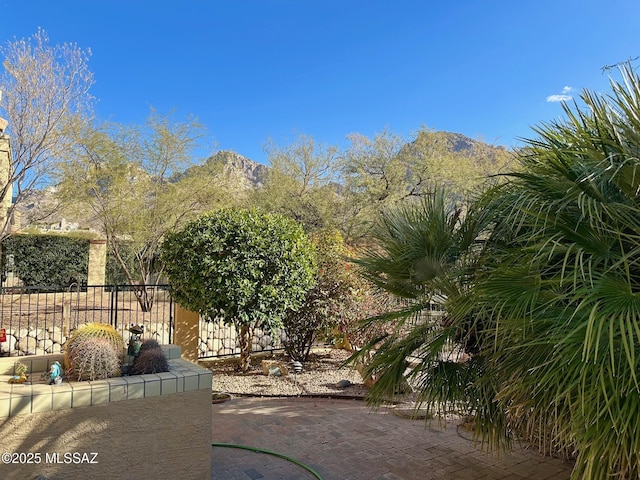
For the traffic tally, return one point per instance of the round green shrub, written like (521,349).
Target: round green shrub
(240,265)
(245,267)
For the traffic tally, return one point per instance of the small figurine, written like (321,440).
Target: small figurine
(54,377)
(133,348)
(21,375)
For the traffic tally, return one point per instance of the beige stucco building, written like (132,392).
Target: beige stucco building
(6,189)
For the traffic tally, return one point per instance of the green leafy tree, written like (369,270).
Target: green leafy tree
(301,183)
(374,173)
(244,266)
(122,179)
(387,170)
(457,163)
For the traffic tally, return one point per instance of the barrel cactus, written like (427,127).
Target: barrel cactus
(93,358)
(149,344)
(93,330)
(151,359)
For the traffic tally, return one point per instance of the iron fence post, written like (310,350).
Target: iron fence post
(170,318)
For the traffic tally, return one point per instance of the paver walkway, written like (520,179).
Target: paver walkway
(345,440)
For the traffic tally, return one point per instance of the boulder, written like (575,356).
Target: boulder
(27,345)
(40,334)
(8,346)
(265,341)
(214,344)
(56,334)
(208,327)
(45,344)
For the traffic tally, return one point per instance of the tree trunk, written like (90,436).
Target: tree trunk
(145,295)
(245,347)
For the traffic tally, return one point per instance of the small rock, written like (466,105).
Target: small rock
(269,365)
(343,384)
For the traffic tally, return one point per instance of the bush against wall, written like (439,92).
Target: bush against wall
(51,260)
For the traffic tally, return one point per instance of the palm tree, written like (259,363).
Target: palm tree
(562,290)
(426,254)
(541,288)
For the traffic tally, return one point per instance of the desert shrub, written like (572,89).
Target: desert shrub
(333,306)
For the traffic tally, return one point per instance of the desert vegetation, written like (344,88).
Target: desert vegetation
(530,257)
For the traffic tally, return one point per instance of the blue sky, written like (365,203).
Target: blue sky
(251,70)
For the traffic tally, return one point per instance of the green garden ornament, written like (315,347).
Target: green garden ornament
(133,348)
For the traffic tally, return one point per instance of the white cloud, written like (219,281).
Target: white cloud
(559,98)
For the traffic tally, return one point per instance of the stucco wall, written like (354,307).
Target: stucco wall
(155,426)
(162,437)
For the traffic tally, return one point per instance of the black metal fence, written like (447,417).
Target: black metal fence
(37,320)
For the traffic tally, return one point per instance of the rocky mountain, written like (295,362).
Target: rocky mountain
(448,142)
(40,206)
(251,173)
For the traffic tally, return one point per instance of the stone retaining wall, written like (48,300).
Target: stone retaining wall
(217,339)
(42,341)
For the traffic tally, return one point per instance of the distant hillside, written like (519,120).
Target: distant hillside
(460,144)
(40,206)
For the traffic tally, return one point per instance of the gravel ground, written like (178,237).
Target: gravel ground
(320,375)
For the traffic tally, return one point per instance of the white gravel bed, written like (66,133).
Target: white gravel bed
(320,376)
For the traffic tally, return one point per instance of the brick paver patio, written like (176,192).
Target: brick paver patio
(345,440)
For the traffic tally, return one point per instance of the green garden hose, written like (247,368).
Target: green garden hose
(269,452)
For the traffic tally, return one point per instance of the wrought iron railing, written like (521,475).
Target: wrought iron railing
(38,319)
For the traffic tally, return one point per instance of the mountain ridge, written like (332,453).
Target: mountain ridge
(249,173)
